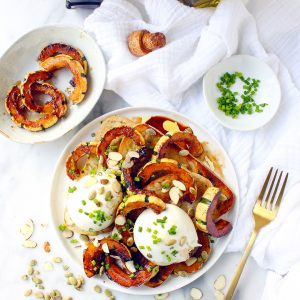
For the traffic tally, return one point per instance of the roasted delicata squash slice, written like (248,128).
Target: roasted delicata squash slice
(58,104)
(150,135)
(164,167)
(207,214)
(198,258)
(59,48)
(111,135)
(140,201)
(106,254)
(161,276)
(130,174)
(185,140)
(20,114)
(73,170)
(79,77)
(165,124)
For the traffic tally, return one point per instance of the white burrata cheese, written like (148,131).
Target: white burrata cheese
(165,238)
(93,200)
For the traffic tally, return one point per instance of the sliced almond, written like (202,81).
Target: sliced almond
(105,248)
(29,244)
(133,154)
(96,243)
(101,271)
(184,152)
(111,163)
(209,163)
(170,242)
(219,295)
(179,185)
(174,194)
(116,187)
(120,220)
(195,294)
(181,273)
(116,156)
(127,164)
(92,195)
(27,229)
(220,283)
(67,233)
(182,240)
(130,266)
(161,296)
(190,261)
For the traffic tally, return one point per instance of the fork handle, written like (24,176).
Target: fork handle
(241,266)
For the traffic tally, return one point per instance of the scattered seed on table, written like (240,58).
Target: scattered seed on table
(30,270)
(33,263)
(57,260)
(97,289)
(24,277)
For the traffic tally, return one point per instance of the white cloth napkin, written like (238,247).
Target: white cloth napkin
(171,78)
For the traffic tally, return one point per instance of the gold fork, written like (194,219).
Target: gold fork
(264,212)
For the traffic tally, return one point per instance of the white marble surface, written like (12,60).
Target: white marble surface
(25,178)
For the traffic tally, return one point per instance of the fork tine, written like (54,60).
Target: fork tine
(277,204)
(263,189)
(265,203)
(275,190)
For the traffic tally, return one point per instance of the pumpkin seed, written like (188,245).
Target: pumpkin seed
(161,296)
(97,289)
(184,152)
(67,233)
(170,242)
(57,259)
(130,266)
(36,280)
(72,280)
(84,237)
(41,287)
(115,156)
(204,255)
(105,248)
(24,277)
(220,283)
(30,270)
(101,190)
(107,293)
(36,272)
(191,261)
(29,244)
(149,255)
(101,271)
(92,195)
(27,229)
(104,181)
(130,241)
(219,295)
(120,220)
(68,274)
(33,263)
(196,294)
(39,295)
(66,267)
(28,293)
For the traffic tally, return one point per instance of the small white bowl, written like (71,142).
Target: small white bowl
(268,91)
(21,58)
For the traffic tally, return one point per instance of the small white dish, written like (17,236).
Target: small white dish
(268,91)
(21,58)
(60,183)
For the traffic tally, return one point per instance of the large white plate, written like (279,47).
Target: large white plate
(268,91)
(21,58)
(60,182)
